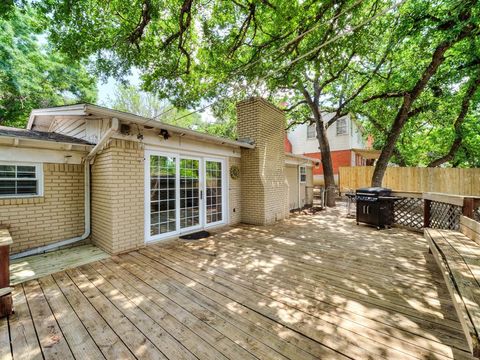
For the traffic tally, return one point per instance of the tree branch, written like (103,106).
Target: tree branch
(295,105)
(470,93)
(385,96)
(145,18)
(184,20)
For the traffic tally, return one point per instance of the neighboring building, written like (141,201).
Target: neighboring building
(88,173)
(346,138)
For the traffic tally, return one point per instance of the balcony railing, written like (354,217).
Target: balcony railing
(435,210)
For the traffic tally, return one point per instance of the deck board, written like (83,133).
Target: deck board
(37,266)
(310,287)
(5,351)
(308,315)
(357,313)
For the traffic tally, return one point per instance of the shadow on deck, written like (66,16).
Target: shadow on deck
(310,287)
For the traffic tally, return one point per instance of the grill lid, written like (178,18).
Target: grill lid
(374,191)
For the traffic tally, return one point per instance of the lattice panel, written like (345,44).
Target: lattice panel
(409,212)
(445,216)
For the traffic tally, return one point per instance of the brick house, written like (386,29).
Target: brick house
(347,144)
(86,173)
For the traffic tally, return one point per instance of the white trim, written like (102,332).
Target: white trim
(202,203)
(225,194)
(89,109)
(15,154)
(38,178)
(183,145)
(300,167)
(109,133)
(181,230)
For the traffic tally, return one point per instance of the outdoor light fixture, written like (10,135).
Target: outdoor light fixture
(125,129)
(165,134)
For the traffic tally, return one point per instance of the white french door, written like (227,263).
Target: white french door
(182,194)
(190,194)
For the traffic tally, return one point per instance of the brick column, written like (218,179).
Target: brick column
(118,197)
(264,188)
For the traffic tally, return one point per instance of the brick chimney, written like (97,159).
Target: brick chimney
(263,184)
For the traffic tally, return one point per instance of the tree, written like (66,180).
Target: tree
(469,95)
(189,52)
(434,40)
(130,99)
(32,74)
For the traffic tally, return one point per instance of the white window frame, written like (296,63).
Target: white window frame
(203,225)
(225,193)
(300,168)
(38,178)
(339,121)
(309,135)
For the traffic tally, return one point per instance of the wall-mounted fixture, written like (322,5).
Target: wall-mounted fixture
(125,129)
(165,134)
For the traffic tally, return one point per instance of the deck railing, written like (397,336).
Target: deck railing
(435,210)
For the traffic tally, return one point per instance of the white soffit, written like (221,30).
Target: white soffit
(44,116)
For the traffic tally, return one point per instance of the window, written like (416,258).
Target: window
(311,131)
(303,174)
(20,180)
(342,127)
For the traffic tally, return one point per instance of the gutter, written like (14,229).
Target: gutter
(86,233)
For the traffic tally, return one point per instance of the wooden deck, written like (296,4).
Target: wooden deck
(313,287)
(37,266)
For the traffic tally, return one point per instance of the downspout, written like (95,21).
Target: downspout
(300,187)
(87,230)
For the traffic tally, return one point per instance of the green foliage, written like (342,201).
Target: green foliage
(132,100)
(32,73)
(335,54)
(429,132)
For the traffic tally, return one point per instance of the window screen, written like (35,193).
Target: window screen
(342,127)
(303,174)
(19,180)
(311,131)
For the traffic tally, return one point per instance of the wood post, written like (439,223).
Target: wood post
(426,212)
(468,207)
(5,301)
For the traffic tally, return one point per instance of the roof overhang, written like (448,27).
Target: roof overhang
(295,159)
(18,141)
(368,153)
(95,111)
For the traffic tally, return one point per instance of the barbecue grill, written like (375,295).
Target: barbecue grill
(375,206)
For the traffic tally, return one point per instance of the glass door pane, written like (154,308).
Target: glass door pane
(189,193)
(162,194)
(213,181)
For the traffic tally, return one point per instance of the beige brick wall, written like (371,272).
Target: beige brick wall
(57,215)
(234,193)
(264,190)
(118,197)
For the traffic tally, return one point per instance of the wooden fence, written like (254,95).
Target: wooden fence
(415,179)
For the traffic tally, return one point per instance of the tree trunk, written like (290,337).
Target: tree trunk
(408,99)
(328,176)
(323,144)
(387,151)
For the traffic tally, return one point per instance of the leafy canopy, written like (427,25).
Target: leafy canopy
(32,73)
